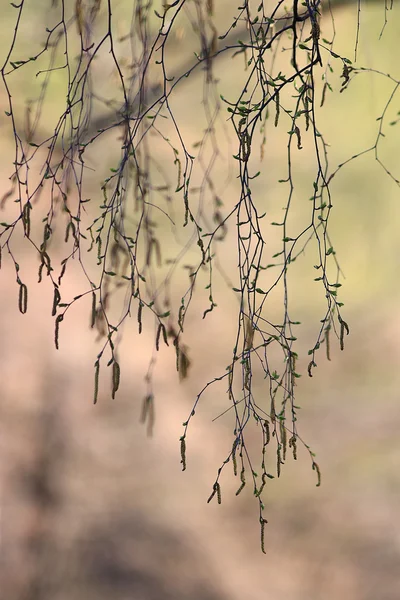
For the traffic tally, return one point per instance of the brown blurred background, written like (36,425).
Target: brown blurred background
(92,508)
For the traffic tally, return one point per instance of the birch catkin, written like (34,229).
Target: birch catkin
(116,373)
(23,298)
(96,380)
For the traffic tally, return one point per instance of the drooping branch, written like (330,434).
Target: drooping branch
(123,228)
(237,38)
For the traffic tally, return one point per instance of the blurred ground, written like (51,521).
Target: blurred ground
(91,508)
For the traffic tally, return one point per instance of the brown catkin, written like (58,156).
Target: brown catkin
(177,351)
(341,335)
(234,461)
(93,314)
(158,337)
(62,272)
(273,413)
(165,336)
(325,87)
(96,380)
(23,298)
(183,453)
(99,244)
(40,271)
(243,480)
(310,366)
(184,364)
(248,333)
(298,135)
(70,226)
(181,315)
(57,330)
(26,216)
(307,113)
(56,301)
(283,438)
(216,490)
(219,497)
(139,316)
(116,374)
(263,523)
(267,433)
(277,109)
(316,468)
(343,328)
(278,460)
(328,342)
(148,413)
(293,446)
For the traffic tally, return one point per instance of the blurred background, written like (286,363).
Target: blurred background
(91,507)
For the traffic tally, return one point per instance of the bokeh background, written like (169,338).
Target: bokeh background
(92,508)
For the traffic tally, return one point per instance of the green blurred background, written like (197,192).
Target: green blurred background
(92,508)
